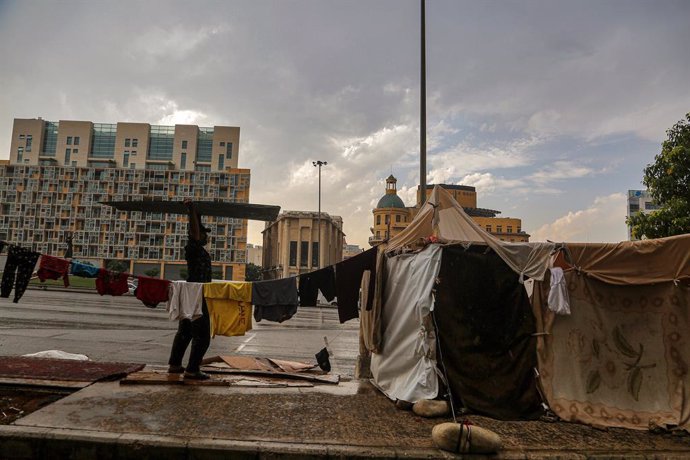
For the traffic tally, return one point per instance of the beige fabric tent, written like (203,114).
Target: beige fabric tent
(634,262)
(442,217)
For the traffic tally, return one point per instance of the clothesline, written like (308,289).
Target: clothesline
(342,282)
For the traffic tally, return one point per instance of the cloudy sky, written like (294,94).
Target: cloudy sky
(550,108)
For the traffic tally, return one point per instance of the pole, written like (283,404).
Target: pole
(422,112)
(318,232)
(318,164)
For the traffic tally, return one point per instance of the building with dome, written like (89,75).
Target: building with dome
(391,215)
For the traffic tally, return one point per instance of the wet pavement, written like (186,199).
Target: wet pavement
(122,329)
(351,419)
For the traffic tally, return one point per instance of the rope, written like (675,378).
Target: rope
(443,366)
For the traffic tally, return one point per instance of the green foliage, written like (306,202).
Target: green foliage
(217,274)
(668,181)
(153,272)
(183,273)
(117,265)
(252,272)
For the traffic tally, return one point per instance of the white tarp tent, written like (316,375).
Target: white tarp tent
(406,367)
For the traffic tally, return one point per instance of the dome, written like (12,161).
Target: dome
(390,200)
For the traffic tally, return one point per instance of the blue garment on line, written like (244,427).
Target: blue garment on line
(84,270)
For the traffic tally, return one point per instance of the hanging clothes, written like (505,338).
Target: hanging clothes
(311,283)
(275,300)
(152,291)
(185,300)
(2,246)
(485,328)
(111,283)
(559,301)
(20,262)
(83,270)
(229,307)
(53,268)
(348,279)
(370,319)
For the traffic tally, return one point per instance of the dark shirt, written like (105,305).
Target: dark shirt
(348,279)
(198,262)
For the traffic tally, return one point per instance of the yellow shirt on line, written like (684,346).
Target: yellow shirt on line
(229,307)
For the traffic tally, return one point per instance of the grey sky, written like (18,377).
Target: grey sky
(550,108)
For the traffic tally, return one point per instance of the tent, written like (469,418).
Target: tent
(620,359)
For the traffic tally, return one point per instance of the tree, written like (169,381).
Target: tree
(668,181)
(117,265)
(252,272)
(153,272)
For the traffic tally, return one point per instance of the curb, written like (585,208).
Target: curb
(18,442)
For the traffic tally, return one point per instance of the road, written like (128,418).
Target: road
(123,329)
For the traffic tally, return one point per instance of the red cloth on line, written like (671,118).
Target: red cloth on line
(152,291)
(53,268)
(111,283)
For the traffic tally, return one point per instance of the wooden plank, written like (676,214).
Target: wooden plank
(160,378)
(205,208)
(328,378)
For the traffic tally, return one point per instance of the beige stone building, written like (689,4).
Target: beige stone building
(391,216)
(254,254)
(291,246)
(58,173)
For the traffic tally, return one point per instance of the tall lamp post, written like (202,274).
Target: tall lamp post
(318,164)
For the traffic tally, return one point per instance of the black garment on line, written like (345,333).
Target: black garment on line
(311,283)
(198,332)
(21,262)
(485,325)
(348,280)
(275,300)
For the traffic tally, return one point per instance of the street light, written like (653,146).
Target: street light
(318,164)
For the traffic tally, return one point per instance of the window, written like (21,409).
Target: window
(21,136)
(29,140)
(135,142)
(397,217)
(222,144)
(75,151)
(76,140)
(228,152)
(125,159)
(68,152)
(69,140)
(184,145)
(387,219)
(499,228)
(378,219)
(20,154)
(134,152)
(74,164)
(128,143)
(488,228)
(509,229)
(315,254)
(378,234)
(304,253)
(519,229)
(183,161)
(293,253)
(221,162)
(132,166)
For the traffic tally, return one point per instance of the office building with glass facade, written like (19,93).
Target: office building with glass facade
(58,173)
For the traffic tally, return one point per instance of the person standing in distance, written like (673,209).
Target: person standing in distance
(198,332)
